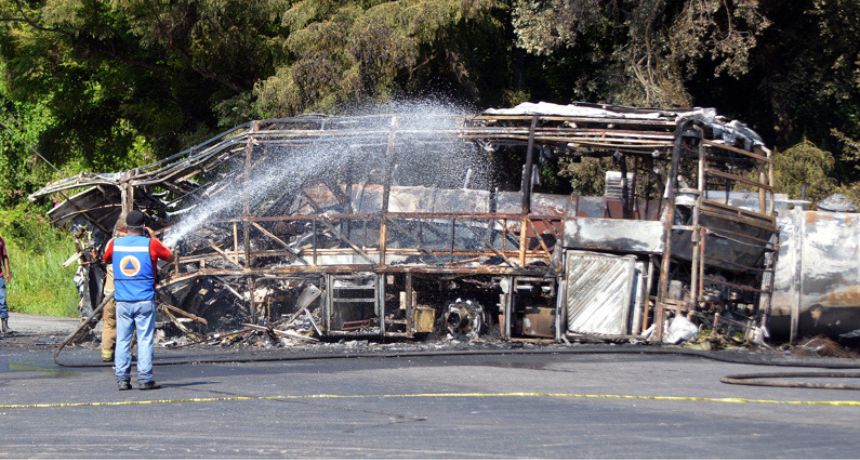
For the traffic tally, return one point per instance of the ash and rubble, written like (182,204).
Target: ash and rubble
(431,224)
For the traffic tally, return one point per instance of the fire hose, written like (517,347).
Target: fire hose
(772,379)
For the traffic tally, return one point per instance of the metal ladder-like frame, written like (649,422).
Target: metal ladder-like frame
(699,234)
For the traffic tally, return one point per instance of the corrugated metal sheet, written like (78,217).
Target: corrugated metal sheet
(599,292)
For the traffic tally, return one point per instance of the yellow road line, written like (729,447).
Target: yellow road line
(60,405)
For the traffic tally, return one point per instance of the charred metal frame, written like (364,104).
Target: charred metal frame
(514,241)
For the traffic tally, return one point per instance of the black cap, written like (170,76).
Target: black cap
(135,219)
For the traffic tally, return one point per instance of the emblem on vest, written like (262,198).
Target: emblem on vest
(130,266)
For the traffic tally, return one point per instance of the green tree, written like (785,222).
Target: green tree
(652,44)
(339,53)
(804,164)
(107,85)
(125,79)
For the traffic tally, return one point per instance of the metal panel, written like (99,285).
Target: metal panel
(817,284)
(645,236)
(599,292)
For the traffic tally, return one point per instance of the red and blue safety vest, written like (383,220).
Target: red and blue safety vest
(133,273)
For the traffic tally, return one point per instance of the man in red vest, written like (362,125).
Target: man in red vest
(134,258)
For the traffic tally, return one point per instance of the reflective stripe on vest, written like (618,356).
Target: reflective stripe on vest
(134,276)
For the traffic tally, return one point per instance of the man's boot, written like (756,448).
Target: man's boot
(4,325)
(151,385)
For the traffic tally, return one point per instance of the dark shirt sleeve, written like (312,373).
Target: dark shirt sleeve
(158,251)
(3,255)
(108,255)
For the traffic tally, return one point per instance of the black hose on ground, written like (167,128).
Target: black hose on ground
(769,379)
(575,350)
(82,330)
(738,379)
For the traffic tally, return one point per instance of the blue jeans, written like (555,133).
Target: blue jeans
(4,309)
(131,316)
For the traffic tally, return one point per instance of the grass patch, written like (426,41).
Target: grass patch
(40,284)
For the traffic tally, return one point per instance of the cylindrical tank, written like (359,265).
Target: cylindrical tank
(817,284)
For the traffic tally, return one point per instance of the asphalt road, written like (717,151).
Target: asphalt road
(31,324)
(484,406)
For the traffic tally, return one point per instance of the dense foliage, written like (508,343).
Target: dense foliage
(105,85)
(41,284)
(108,84)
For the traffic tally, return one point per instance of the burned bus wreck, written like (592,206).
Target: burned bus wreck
(425,224)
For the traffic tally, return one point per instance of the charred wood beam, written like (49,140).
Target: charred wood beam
(283,243)
(490,247)
(175,279)
(539,238)
(276,332)
(323,219)
(185,314)
(668,221)
(224,255)
(173,319)
(229,288)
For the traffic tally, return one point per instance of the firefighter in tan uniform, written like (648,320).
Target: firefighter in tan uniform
(109,311)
